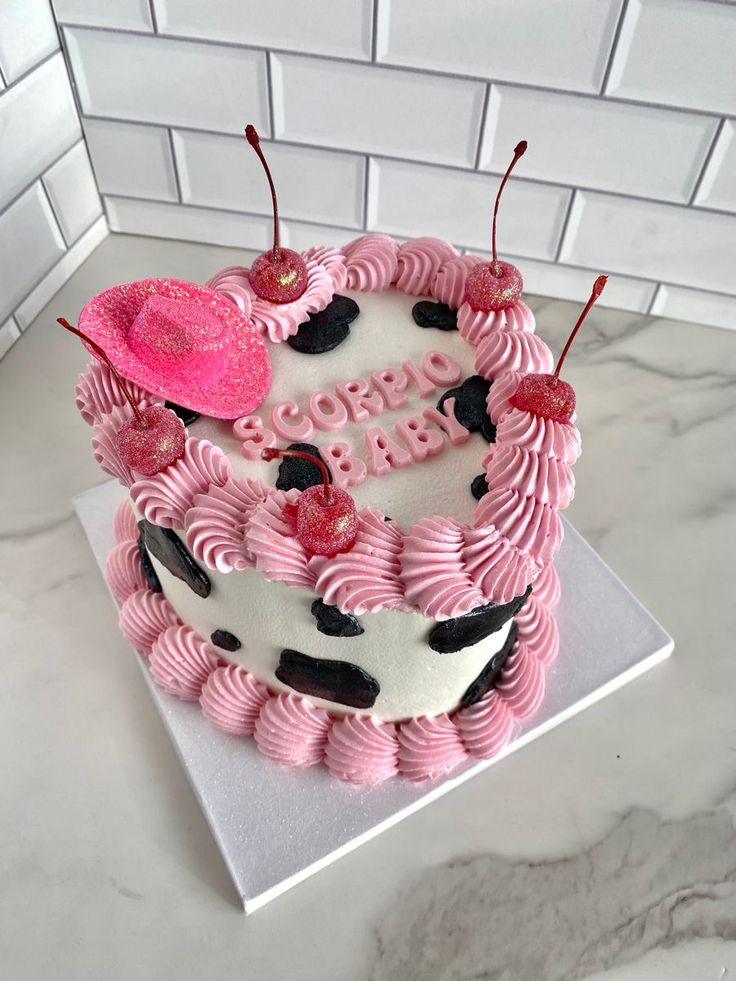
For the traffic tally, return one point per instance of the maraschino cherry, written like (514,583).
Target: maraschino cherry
(548,395)
(326,518)
(154,437)
(279,275)
(495,285)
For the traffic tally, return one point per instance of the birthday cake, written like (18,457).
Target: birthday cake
(345,471)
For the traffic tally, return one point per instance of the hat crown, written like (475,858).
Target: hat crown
(181,339)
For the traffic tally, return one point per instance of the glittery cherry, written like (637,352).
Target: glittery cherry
(279,275)
(154,437)
(326,518)
(495,285)
(548,395)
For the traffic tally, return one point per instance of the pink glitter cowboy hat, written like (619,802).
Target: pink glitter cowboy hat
(183,342)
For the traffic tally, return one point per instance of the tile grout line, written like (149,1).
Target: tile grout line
(16,198)
(406,69)
(54,215)
(269,97)
(482,127)
(453,168)
(27,74)
(366,189)
(458,245)
(706,162)
(175,165)
(374,32)
(653,300)
(564,226)
(154,18)
(614,47)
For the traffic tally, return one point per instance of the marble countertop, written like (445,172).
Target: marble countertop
(607,849)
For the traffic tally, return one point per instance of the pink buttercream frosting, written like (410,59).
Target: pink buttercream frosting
(448,285)
(418,263)
(232,699)
(547,590)
(529,525)
(233,282)
(367,578)
(123,570)
(166,497)
(124,524)
(538,630)
(546,478)
(433,569)
(217,521)
(429,746)
(333,261)
(292,730)
(512,350)
(143,616)
(105,444)
(539,435)
(371,262)
(362,749)
(271,539)
(182,661)
(485,727)
(476,325)
(499,569)
(521,684)
(503,388)
(97,394)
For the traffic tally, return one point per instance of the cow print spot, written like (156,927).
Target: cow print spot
(427,313)
(336,681)
(326,329)
(187,416)
(479,487)
(297,473)
(487,677)
(165,545)
(457,633)
(470,406)
(149,573)
(333,623)
(225,640)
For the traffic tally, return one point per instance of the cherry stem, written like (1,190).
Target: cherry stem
(519,151)
(251,134)
(595,293)
(271,453)
(140,418)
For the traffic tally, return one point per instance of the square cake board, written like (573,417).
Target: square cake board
(607,639)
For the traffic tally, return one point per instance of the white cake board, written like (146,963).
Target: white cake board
(276,825)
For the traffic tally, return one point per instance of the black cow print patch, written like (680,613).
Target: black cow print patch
(225,640)
(187,416)
(450,636)
(333,623)
(479,487)
(427,313)
(487,677)
(149,572)
(337,681)
(297,473)
(470,406)
(326,329)
(165,545)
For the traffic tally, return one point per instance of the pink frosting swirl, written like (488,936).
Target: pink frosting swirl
(362,749)
(233,282)
(521,684)
(448,285)
(123,571)
(546,478)
(143,616)
(499,569)
(547,590)
(333,261)
(433,569)
(368,577)
(533,527)
(124,525)
(217,521)
(292,730)
(512,350)
(418,263)
(166,497)
(105,445)
(97,393)
(503,388)
(232,700)
(181,661)
(271,539)
(485,727)
(429,746)
(371,262)
(475,325)
(538,630)
(539,435)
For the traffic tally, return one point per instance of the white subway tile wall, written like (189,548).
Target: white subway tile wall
(389,115)
(50,210)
